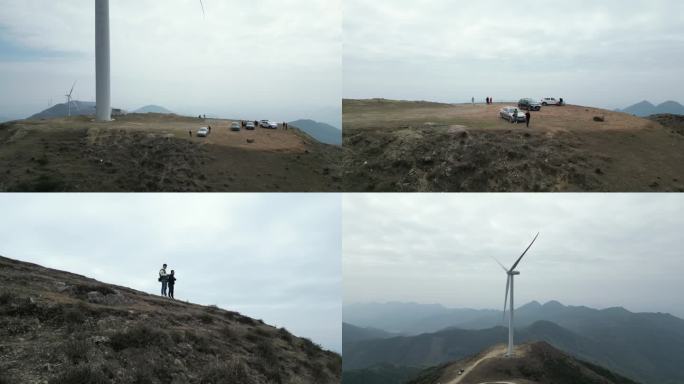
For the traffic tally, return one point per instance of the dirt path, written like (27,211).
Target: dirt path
(469,368)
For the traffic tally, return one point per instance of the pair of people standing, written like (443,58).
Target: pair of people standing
(168,280)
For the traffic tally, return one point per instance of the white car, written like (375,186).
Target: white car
(272,125)
(550,101)
(509,113)
(263,123)
(203,132)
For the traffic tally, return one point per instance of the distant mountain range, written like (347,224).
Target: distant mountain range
(644,346)
(322,132)
(153,109)
(646,108)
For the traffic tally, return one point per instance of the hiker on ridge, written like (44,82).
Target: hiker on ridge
(172,282)
(164,279)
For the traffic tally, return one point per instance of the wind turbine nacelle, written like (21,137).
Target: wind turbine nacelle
(514,273)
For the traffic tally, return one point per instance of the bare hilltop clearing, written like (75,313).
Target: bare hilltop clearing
(424,146)
(59,328)
(153,152)
(534,363)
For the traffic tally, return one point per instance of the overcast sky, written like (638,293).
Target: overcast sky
(265,59)
(609,53)
(274,257)
(598,250)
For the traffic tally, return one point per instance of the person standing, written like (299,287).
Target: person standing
(172,283)
(164,279)
(472,100)
(528,116)
(190,133)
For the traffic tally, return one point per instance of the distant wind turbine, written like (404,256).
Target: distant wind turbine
(509,284)
(103,92)
(68,97)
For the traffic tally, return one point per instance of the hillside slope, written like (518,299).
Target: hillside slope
(57,327)
(535,363)
(155,153)
(395,146)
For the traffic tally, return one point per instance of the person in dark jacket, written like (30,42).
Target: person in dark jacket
(172,282)
(528,116)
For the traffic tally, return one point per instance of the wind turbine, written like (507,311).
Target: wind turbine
(509,284)
(103,98)
(68,97)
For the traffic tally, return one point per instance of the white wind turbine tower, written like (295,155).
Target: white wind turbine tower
(509,284)
(68,97)
(103,98)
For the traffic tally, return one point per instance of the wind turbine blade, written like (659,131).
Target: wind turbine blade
(72,88)
(523,254)
(498,262)
(204,14)
(508,282)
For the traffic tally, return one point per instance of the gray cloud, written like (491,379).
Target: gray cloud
(608,53)
(596,250)
(270,256)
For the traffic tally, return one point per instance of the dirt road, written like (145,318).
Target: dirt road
(496,352)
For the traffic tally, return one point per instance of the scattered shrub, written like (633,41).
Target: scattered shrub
(318,373)
(310,348)
(229,332)
(262,332)
(285,335)
(139,336)
(235,371)
(206,318)
(76,350)
(599,119)
(335,365)
(80,375)
(73,317)
(200,342)
(245,320)
(7,297)
(83,289)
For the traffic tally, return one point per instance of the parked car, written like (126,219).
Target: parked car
(550,101)
(235,126)
(508,113)
(250,126)
(203,132)
(272,125)
(529,105)
(263,123)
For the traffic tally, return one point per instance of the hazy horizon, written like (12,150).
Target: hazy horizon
(608,54)
(268,60)
(274,257)
(436,248)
